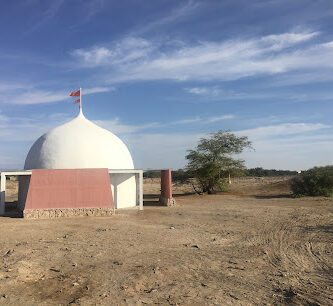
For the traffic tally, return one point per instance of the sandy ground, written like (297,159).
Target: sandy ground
(252,246)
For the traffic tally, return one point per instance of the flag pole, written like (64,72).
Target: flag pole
(80,100)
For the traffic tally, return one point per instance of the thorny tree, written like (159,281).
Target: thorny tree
(211,162)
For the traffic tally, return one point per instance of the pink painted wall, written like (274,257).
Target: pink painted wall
(166,184)
(69,188)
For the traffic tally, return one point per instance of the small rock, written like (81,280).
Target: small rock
(74,301)
(118,263)
(234,297)
(195,246)
(101,230)
(4,296)
(22,243)
(203,285)
(75,284)
(150,290)
(65,236)
(172,227)
(54,270)
(64,249)
(156,270)
(8,253)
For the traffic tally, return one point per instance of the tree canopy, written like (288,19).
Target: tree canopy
(212,160)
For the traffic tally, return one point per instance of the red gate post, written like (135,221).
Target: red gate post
(166,188)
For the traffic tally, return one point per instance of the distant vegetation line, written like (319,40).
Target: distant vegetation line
(246,172)
(268,172)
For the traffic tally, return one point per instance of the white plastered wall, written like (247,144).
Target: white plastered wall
(124,190)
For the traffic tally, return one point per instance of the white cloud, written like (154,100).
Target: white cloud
(186,121)
(139,59)
(219,118)
(293,153)
(93,90)
(204,91)
(3,120)
(47,15)
(282,130)
(177,15)
(115,126)
(279,42)
(127,50)
(36,96)
(5,86)
(161,150)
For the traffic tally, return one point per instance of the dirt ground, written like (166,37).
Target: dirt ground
(255,245)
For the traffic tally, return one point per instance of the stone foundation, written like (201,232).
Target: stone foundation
(167,201)
(67,212)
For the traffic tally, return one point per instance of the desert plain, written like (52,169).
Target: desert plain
(253,245)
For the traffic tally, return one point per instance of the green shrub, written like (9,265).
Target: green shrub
(317,181)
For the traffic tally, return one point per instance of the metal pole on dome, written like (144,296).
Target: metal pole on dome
(80,100)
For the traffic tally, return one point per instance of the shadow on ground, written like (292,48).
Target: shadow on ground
(11,210)
(276,196)
(320,228)
(151,200)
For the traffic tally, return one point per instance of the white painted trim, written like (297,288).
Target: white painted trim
(141,190)
(23,172)
(2,194)
(28,172)
(130,171)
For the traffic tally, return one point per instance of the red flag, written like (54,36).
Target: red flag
(75,93)
(77,101)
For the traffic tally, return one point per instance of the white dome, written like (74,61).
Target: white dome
(78,144)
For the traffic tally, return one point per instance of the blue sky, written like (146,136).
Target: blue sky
(161,74)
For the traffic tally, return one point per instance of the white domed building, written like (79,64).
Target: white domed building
(81,144)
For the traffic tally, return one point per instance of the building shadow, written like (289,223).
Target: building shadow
(151,200)
(11,210)
(175,195)
(276,196)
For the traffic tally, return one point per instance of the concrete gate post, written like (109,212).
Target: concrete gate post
(166,188)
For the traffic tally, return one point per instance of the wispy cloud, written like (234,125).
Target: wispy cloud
(47,15)
(283,129)
(178,14)
(5,86)
(203,91)
(122,52)
(226,60)
(219,118)
(89,9)
(37,96)
(3,120)
(186,121)
(115,125)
